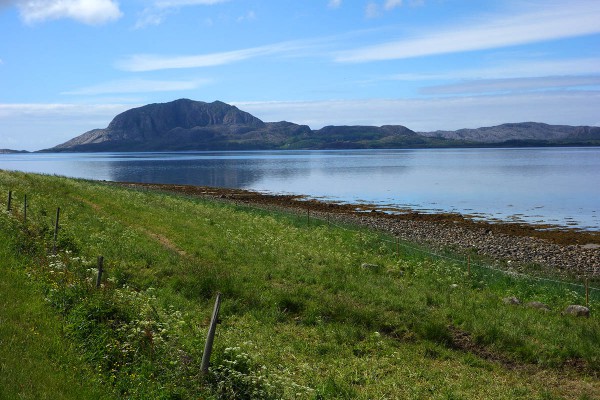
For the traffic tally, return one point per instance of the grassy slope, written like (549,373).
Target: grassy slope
(36,362)
(298,301)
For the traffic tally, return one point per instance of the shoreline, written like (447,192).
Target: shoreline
(561,250)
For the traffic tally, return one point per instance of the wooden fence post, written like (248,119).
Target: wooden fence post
(100,271)
(56,229)
(9,200)
(308,216)
(210,337)
(587,292)
(25,210)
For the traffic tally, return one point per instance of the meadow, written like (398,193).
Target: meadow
(310,310)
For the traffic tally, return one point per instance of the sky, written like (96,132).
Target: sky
(69,66)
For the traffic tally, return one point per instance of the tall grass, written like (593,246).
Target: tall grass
(309,311)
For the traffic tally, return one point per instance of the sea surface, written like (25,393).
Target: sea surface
(558,186)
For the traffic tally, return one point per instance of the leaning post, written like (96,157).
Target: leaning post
(100,271)
(56,229)
(210,337)
(9,200)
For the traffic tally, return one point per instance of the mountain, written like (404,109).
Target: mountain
(194,125)
(525,131)
(9,151)
(184,125)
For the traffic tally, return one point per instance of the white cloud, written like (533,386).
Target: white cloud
(249,16)
(183,3)
(513,85)
(149,62)
(391,4)
(139,86)
(512,68)
(334,3)
(91,12)
(151,17)
(372,10)
(553,21)
(160,9)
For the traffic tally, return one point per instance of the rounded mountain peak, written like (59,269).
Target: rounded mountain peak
(183,113)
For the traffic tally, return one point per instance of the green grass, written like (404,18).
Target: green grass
(301,317)
(36,362)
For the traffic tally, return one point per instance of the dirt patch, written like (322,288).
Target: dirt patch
(165,242)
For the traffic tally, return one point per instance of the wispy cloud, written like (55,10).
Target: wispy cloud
(161,9)
(513,85)
(511,68)
(150,62)
(138,86)
(183,3)
(91,12)
(334,3)
(249,16)
(372,10)
(551,21)
(391,4)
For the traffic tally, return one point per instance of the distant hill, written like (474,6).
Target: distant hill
(9,151)
(524,131)
(194,125)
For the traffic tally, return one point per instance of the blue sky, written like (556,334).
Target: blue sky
(68,66)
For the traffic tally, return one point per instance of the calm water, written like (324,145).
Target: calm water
(542,185)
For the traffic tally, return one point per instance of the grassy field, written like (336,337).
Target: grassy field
(310,311)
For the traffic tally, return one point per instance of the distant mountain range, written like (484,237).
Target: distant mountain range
(194,125)
(9,151)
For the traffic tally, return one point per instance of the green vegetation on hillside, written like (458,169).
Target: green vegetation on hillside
(310,311)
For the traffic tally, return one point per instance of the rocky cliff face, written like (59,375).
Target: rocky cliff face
(155,125)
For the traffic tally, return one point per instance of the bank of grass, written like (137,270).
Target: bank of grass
(301,317)
(36,362)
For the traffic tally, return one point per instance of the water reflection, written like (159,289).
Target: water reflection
(551,185)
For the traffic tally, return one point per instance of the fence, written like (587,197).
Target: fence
(467,263)
(312,218)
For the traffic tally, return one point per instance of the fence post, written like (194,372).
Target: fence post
(587,292)
(308,216)
(25,210)
(469,264)
(56,229)
(9,200)
(100,271)
(210,337)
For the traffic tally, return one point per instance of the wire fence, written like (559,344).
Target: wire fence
(355,227)
(466,263)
